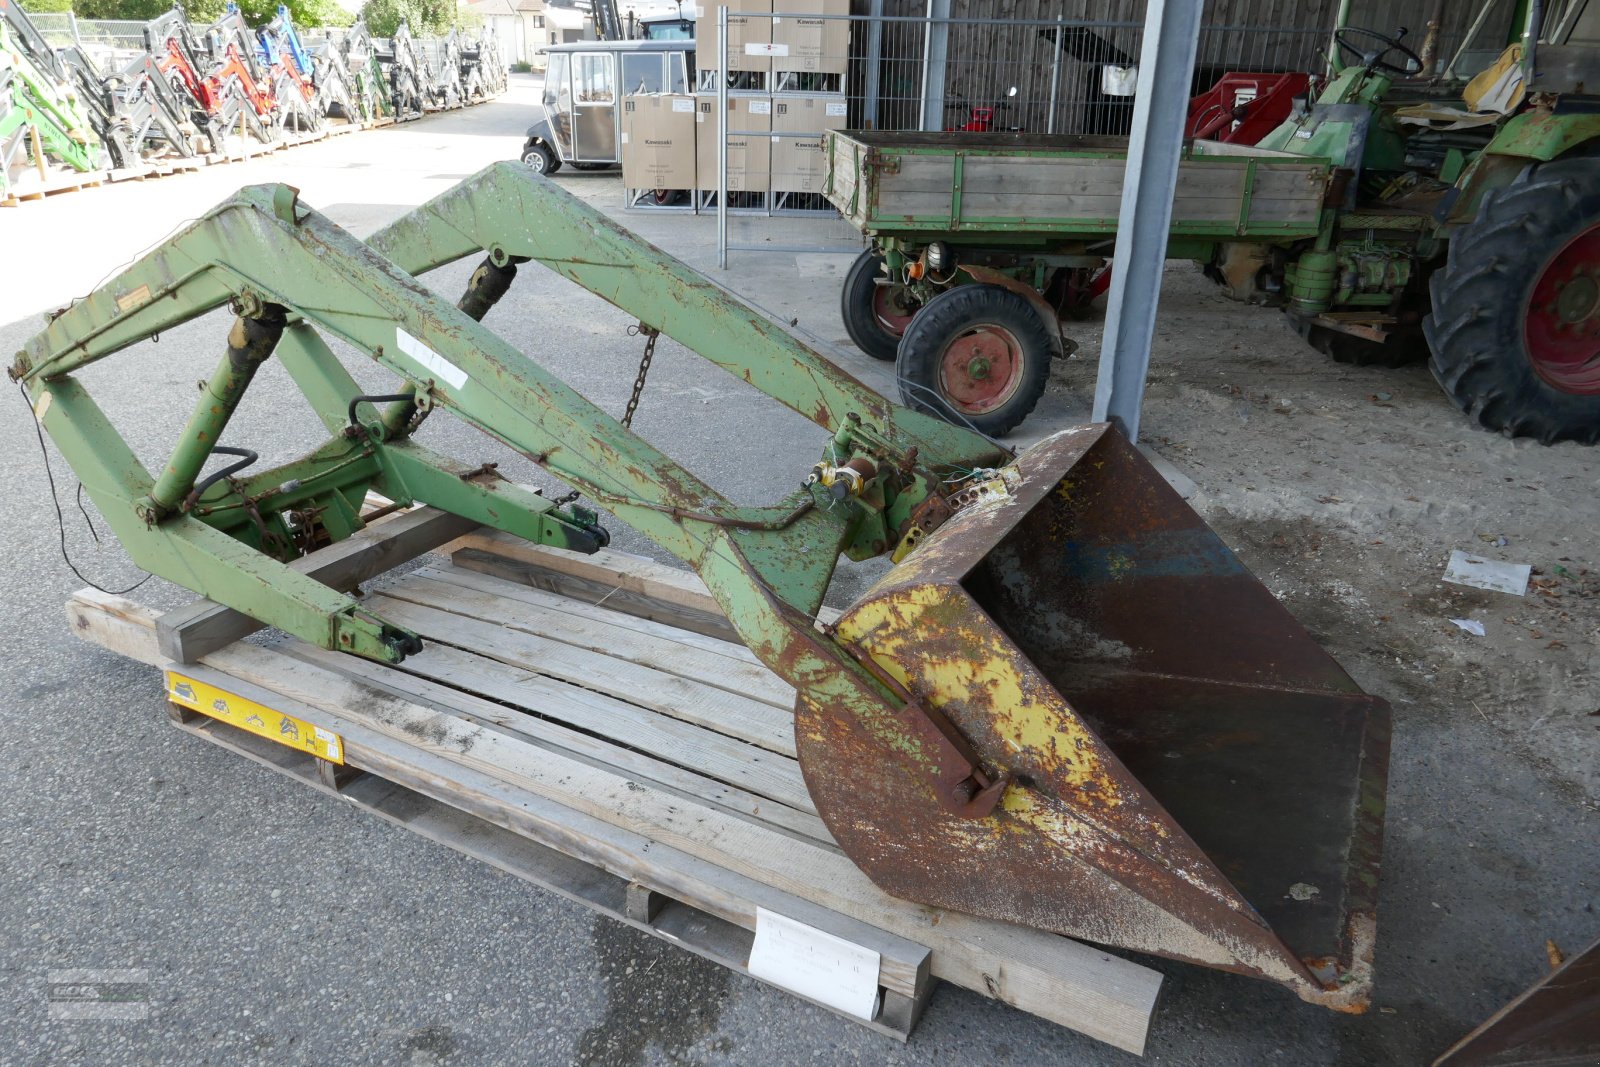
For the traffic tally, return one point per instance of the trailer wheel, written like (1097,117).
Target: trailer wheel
(977,355)
(540,159)
(875,315)
(1515,329)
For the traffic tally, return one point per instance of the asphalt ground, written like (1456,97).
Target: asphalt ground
(281,926)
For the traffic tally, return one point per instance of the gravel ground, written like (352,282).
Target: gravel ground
(280,926)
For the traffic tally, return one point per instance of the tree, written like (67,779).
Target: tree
(427,18)
(306,13)
(47,7)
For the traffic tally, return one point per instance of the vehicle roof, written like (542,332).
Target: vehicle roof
(621,46)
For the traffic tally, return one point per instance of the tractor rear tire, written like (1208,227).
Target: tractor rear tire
(977,356)
(1515,328)
(872,324)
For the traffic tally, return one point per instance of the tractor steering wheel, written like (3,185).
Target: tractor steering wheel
(1350,38)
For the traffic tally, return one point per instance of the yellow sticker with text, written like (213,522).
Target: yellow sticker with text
(255,718)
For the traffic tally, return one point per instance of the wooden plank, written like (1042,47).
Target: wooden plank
(456,680)
(485,598)
(715,709)
(595,591)
(625,583)
(188,633)
(1075,985)
(528,594)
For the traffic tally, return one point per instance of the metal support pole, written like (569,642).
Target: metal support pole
(1160,109)
(935,57)
(722,136)
(1055,77)
(873,64)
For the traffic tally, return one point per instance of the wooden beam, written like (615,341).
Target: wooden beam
(189,633)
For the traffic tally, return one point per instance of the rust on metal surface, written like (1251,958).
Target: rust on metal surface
(1182,759)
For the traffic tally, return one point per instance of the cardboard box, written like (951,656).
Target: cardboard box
(749,157)
(749,35)
(798,165)
(812,44)
(658,141)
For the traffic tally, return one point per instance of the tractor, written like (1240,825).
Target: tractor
(1457,221)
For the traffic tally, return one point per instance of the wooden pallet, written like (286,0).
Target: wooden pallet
(58,180)
(584,722)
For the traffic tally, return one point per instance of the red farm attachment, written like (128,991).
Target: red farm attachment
(1242,108)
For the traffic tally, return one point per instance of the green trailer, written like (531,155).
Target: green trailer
(1021,225)
(1393,218)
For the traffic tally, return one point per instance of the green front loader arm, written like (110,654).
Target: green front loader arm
(293,277)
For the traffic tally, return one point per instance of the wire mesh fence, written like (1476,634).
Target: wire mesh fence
(1071,76)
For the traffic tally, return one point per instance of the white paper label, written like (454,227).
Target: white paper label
(682,104)
(835,110)
(815,964)
(624,137)
(761,107)
(430,360)
(765,48)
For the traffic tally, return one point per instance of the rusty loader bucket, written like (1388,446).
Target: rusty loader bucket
(1200,779)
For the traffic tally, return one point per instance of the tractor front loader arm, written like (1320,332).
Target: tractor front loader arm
(293,277)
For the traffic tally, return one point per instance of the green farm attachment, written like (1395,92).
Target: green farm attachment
(40,116)
(1067,704)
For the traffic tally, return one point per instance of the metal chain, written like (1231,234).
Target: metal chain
(650,334)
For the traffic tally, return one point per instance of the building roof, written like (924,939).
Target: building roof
(492,7)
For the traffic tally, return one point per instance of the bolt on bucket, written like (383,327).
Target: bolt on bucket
(1184,771)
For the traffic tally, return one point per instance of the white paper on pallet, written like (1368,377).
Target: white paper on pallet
(815,964)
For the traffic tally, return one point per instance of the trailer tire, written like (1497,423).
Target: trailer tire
(1515,328)
(977,355)
(871,325)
